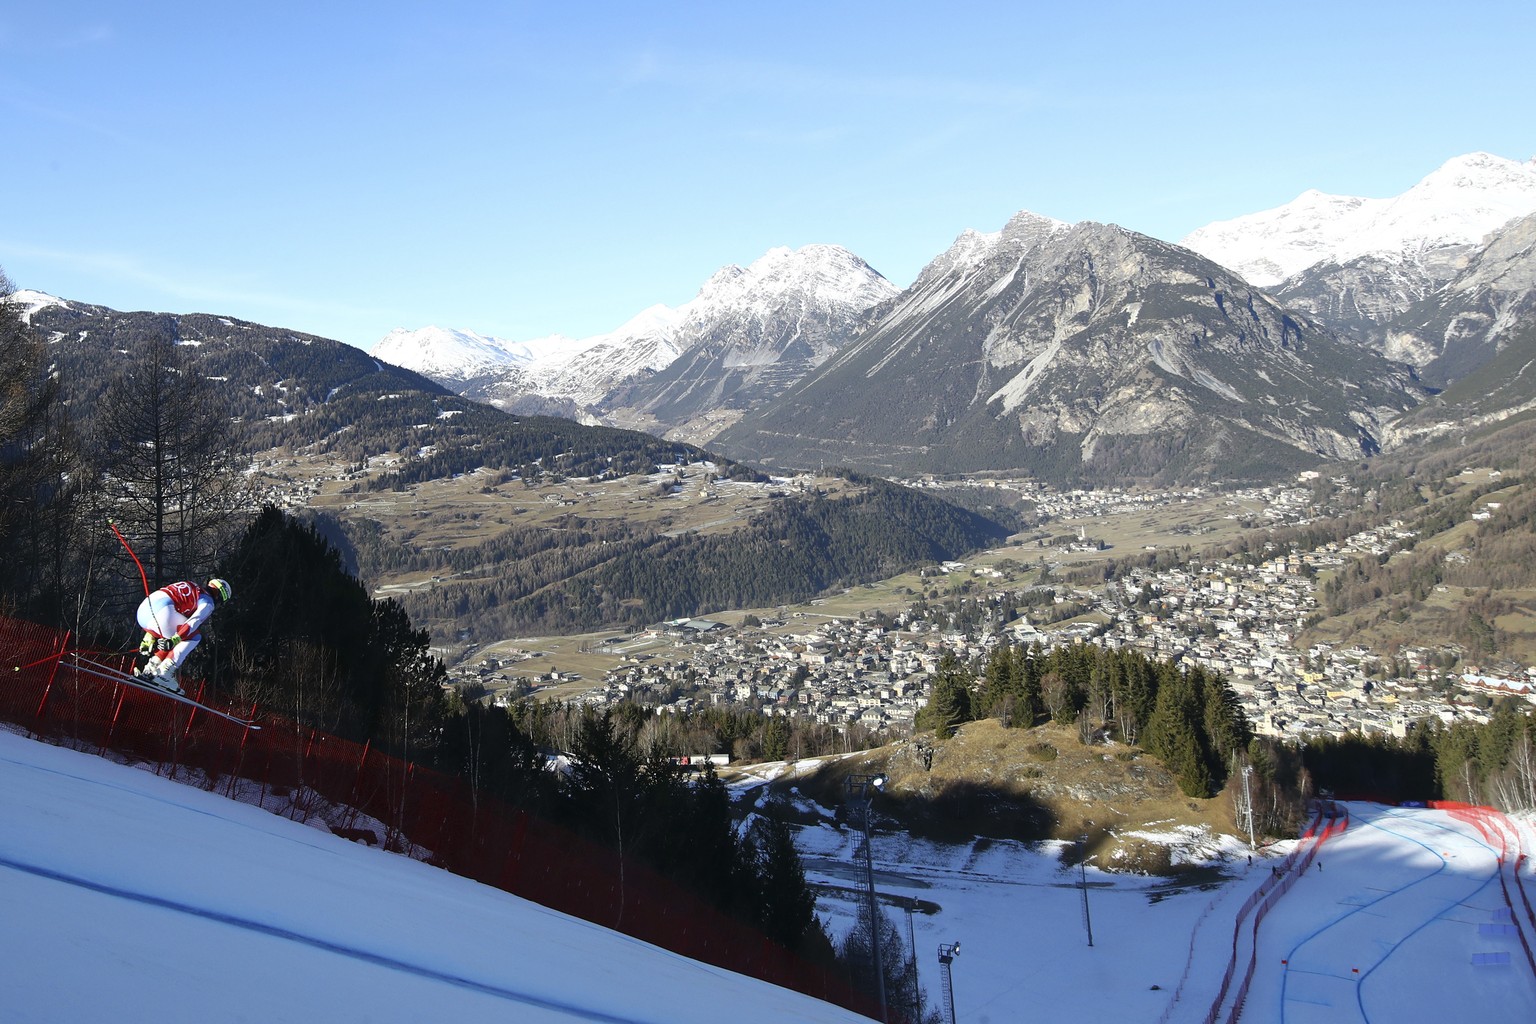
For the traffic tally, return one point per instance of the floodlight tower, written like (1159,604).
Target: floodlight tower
(1248,804)
(861,791)
(947,953)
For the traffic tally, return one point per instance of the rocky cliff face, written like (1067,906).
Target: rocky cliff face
(1479,333)
(1076,352)
(1480,314)
(1359,300)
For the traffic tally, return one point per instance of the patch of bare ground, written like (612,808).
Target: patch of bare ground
(989,782)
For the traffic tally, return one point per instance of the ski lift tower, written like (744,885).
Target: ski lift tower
(947,953)
(861,792)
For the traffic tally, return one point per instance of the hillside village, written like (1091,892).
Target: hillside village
(1236,617)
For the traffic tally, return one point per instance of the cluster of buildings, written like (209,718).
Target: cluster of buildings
(831,671)
(1239,617)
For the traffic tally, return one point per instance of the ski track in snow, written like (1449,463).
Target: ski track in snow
(203,909)
(324,945)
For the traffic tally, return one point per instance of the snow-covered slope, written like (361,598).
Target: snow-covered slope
(814,278)
(1452,208)
(127,897)
(450,355)
(644,344)
(1383,925)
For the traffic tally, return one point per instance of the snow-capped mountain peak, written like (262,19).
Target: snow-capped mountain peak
(972,248)
(29,302)
(823,273)
(789,304)
(1457,205)
(442,351)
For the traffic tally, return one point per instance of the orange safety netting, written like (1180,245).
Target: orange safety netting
(288,767)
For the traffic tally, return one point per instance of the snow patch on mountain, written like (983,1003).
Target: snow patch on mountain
(29,302)
(442,351)
(1457,205)
(810,277)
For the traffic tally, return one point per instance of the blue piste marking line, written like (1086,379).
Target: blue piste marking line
(1385,894)
(1360,988)
(377,959)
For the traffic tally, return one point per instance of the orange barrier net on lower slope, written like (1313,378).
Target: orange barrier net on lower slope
(362,794)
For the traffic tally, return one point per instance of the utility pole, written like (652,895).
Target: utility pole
(862,790)
(947,953)
(1082,867)
(917,992)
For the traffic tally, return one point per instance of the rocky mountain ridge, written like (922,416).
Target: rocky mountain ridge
(1477,336)
(1339,271)
(747,332)
(1078,352)
(1085,352)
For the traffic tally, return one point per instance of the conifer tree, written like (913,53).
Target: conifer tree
(1027,684)
(303,637)
(1173,731)
(787,907)
(1225,726)
(949,701)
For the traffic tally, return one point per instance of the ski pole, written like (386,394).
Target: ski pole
(129,548)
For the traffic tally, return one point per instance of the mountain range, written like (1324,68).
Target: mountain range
(748,333)
(1072,352)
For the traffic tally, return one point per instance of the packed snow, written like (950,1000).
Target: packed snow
(1406,911)
(132,897)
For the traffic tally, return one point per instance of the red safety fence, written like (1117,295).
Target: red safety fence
(1282,876)
(1498,831)
(298,771)
(1264,899)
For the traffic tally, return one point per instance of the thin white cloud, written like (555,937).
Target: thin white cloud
(180,284)
(27,108)
(771,78)
(48,38)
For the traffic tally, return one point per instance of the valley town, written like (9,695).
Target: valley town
(866,657)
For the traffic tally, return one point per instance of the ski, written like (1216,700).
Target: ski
(86,666)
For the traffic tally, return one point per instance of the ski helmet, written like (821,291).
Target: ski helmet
(220,589)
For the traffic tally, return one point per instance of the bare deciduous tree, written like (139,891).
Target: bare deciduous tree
(169,458)
(40,478)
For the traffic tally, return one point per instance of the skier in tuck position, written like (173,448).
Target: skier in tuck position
(172,617)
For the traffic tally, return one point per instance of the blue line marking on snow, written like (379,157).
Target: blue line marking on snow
(1363,908)
(364,955)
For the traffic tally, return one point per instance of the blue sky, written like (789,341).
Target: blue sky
(528,169)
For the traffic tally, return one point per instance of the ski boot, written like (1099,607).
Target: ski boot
(166,675)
